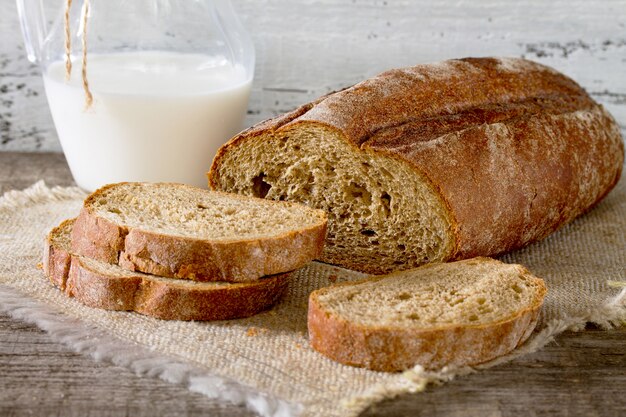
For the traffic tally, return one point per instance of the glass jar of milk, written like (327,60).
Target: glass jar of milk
(141,90)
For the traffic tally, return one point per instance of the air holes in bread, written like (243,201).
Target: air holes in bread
(259,187)
(385,203)
(359,192)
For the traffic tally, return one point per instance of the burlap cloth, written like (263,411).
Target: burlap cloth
(265,362)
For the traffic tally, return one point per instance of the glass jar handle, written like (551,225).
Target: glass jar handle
(34,30)
(238,39)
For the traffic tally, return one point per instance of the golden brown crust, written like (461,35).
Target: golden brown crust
(519,180)
(189,258)
(447,96)
(393,349)
(158,297)
(514,148)
(169,300)
(56,260)
(97,238)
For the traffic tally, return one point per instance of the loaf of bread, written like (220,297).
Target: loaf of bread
(436,162)
(174,230)
(452,314)
(102,285)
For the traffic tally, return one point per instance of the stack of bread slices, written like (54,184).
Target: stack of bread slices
(181,253)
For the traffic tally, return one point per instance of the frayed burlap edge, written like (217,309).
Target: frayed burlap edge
(90,340)
(36,194)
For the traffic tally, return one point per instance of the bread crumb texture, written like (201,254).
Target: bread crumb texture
(193,212)
(378,209)
(465,293)
(446,314)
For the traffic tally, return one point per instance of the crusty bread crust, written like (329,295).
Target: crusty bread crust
(393,349)
(162,298)
(56,260)
(185,257)
(514,149)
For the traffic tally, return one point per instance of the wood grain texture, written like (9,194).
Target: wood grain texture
(310,47)
(581,374)
(21,170)
(41,377)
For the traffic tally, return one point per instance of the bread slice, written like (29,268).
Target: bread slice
(102,285)
(432,163)
(454,314)
(174,230)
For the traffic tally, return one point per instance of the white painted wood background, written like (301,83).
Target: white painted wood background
(307,48)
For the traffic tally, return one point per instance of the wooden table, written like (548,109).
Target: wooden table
(580,374)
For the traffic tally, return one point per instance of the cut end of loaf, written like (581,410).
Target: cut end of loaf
(368,196)
(453,314)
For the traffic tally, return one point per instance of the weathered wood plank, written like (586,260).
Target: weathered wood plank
(309,47)
(40,377)
(581,374)
(568,378)
(19,170)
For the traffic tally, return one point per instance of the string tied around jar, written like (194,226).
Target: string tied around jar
(68,49)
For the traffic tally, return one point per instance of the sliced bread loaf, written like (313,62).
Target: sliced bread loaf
(102,285)
(454,314)
(436,162)
(174,230)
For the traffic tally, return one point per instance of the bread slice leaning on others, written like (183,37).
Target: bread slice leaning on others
(179,231)
(444,314)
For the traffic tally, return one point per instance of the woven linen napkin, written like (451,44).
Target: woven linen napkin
(265,361)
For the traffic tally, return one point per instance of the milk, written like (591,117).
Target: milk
(156,116)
